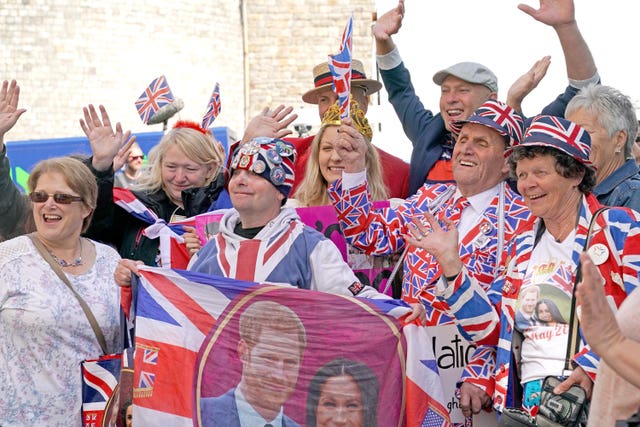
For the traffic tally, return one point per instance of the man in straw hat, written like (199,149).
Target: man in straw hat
(395,171)
(466,85)
(273,123)
(483,209)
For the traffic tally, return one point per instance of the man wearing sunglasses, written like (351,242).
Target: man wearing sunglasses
(132,168)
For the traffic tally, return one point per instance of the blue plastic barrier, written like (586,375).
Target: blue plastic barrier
(25,154)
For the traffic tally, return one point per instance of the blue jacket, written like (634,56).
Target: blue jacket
(222,411)
(621,188)
(425,130)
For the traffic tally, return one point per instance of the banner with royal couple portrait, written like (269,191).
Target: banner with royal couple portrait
(212,351)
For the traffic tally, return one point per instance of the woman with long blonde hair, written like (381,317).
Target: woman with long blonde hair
(325,165)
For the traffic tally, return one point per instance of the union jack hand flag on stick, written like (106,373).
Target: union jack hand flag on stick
(155,96)
(213,108)
(340,66)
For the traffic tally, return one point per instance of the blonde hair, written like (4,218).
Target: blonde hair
(313,188)
(200,147)
(77,176)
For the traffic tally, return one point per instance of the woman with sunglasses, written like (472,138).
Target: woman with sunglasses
(44,332)
(183,179)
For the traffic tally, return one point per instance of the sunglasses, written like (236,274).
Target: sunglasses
(136,157)
(61,198)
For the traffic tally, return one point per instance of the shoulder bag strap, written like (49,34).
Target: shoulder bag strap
(87,311)
(574,337)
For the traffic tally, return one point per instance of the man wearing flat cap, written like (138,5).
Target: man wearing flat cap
(465,86)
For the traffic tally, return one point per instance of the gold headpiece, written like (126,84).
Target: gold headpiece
(360,122)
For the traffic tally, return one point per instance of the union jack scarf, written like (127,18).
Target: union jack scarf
(170,234)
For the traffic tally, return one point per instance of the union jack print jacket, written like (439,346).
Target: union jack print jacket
(285,251)
(380,231)
(486,317)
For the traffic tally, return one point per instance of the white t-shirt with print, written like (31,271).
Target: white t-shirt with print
(551,269)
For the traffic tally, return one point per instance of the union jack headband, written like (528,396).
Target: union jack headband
(562,134)
(498,116)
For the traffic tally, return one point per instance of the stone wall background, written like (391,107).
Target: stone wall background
(67,54)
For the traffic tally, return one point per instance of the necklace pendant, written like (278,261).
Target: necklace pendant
(63,263)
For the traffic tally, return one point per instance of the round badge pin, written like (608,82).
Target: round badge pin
(598,253)
(277,175)
(251,147)
(259,166)
(274,157)
(285,150)
(485,228)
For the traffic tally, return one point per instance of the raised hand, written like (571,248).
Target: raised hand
(105,142)
(351,147)
(389,23)
(272,124)
(552,12)
(439,241)
(527,82)
(9,111)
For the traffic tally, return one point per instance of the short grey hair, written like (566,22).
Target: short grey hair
(614,110)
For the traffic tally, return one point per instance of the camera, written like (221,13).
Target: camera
(568,409)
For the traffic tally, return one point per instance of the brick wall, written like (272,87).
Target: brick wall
(66,54)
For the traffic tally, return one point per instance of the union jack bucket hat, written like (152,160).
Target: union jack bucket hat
(561,134)
(498,116)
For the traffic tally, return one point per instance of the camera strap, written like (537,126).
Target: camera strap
(573,345)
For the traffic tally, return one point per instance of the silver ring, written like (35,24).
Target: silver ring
(419,238)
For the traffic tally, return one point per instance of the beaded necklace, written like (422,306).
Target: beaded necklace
(63,263)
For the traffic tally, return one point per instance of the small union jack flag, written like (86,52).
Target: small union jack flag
(213,108)
(155,96)
(150,356)
(340,66)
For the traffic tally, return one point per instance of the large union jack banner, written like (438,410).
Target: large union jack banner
(187,350)
(155,96)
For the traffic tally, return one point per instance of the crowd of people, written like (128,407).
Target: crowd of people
(502,225)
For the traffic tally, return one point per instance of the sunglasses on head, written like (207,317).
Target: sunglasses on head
(61,198)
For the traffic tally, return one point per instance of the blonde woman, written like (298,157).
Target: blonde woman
(183,179)
(325,165)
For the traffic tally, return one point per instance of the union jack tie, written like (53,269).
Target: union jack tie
(454,211)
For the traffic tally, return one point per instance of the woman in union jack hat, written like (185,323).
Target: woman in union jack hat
(555,177)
